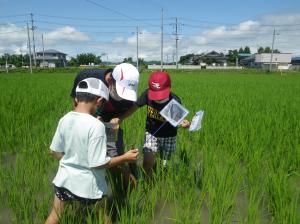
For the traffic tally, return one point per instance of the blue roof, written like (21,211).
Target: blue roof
(297,58)
(245,54)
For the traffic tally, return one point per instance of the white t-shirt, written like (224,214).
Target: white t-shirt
(82,139)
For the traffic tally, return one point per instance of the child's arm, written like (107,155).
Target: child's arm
(128,113)
(57,155)
(141,101)
(129,156)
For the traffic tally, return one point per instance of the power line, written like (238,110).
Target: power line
(115,11)
(86,25)
(14,22)
(110,9)
(18,15)
(17,31)
(233,24)
(94,19)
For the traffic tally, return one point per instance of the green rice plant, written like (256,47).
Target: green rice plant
(243,166)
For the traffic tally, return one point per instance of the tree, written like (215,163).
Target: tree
(247,50)
(267,50)
(87,58)
(128,60)
(73,62)
(261,50)
(232,55)
(185,59)
(15,59)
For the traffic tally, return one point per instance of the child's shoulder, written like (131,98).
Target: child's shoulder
(175,97)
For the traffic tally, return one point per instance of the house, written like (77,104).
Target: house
(212,58)
(51,58)
(296,62)
(279,61)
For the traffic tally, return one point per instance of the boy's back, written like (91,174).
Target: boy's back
(82,139)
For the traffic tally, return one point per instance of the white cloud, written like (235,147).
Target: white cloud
(11,37)
(65,34)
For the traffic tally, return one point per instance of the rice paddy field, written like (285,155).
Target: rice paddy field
(243,166)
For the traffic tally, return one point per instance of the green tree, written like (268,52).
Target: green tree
(128,60)
(186,58)
(260,50)
(73,62)
(232,55)
(247,50)
(15,59)
(267,50)
(87,58)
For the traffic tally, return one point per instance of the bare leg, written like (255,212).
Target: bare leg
(148,164)
(57,210)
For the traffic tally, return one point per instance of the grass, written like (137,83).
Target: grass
(243,166)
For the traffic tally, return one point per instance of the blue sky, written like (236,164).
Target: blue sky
(110,27)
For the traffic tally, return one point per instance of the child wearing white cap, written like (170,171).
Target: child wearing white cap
(79,144)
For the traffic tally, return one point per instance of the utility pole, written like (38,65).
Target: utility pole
(137,47)
(21,57)
(162,41)
(176,39)
(6,65)
(173,60)
(43,51)
(271,61)
(33,42)
(29,48)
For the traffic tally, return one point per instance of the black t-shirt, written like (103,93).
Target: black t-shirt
(154,119)
(112,108)
(89,73)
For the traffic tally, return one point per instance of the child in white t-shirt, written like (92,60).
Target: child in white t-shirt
(79,144)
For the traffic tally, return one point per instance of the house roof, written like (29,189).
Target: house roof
(297,58)
(50,51)
(245,54)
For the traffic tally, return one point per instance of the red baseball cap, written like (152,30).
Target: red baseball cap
(159,86)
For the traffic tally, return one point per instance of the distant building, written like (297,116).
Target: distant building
(296,60)
(279,61)
(51,59)
(212,58)
(242,56)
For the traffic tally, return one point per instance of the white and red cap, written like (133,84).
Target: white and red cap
(127,80)
(159,85)
(93,86)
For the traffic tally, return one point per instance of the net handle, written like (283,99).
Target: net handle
(152,135)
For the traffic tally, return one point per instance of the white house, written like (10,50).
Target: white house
(279,61)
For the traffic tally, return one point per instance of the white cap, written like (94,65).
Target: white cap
(93,86)
(127,80)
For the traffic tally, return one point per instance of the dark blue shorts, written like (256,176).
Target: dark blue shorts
(64,194)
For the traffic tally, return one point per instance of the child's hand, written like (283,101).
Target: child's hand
(131,155)
(185,124)
(117,121)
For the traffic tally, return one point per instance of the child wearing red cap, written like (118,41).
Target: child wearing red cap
(156,97)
